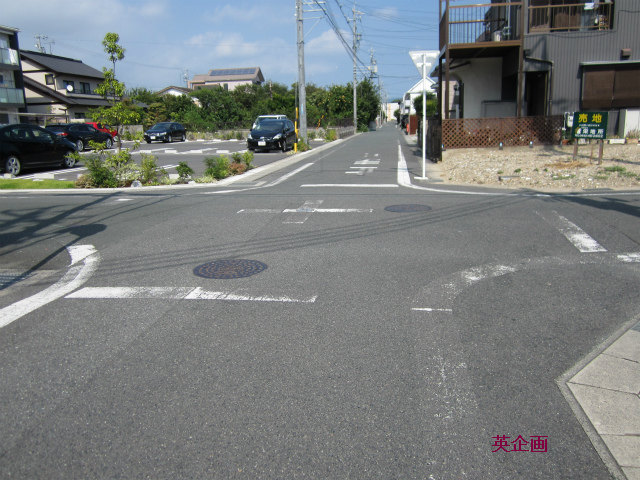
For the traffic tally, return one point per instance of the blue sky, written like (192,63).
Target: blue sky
(164,39)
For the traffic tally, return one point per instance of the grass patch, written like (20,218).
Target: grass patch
(22,184)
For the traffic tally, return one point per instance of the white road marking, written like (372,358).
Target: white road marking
(578,237)
(288,175)
(367,162)
(84,261)
(349,185)
(629,257)
(306,208)
(177,293)
(426,309)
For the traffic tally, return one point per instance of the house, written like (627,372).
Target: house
(175,91)
(227,78)
(540,58)
(406,108)
(59,85)
(11,84)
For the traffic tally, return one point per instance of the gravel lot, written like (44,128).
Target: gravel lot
(545,168)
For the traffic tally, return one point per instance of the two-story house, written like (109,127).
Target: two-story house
(11,85)
(534,58)
(227,78)
(60,85)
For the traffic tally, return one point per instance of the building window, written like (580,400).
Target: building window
(85,87)
(609,87)
(48,78)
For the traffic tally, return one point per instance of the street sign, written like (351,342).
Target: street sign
(590,125)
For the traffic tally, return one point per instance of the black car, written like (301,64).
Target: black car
(23,146)
(166,132)
(270,134)
(81,134)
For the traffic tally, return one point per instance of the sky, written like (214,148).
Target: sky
(164,40)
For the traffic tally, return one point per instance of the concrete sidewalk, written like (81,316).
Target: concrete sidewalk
(607,392)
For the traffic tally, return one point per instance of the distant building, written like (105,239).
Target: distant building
(60,85)
(227,78)
(175,91)
(11,82)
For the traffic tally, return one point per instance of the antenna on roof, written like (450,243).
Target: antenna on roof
(38,44)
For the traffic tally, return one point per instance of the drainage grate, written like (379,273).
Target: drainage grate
(231,268)
(410,208)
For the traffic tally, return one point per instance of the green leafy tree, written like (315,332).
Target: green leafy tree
(118,112)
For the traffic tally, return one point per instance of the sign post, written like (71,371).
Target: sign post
(591,125)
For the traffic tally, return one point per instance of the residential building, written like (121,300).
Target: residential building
(11,84)
(175,91)
(539,57)
(227,78)
(60,86)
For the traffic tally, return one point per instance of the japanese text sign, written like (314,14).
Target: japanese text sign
(590,125)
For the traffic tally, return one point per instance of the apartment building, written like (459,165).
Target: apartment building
(11,85)
(539,58)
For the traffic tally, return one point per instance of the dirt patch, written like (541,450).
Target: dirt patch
(546,168)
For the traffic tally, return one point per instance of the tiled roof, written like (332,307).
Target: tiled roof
(58,64)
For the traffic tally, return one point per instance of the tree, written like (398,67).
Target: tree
(118,112)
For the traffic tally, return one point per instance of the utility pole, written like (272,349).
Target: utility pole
(355,77)
(302,88)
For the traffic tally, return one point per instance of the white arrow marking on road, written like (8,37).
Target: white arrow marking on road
(177,293)
(84,261)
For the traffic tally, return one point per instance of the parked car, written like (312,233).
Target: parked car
(166,132)
(25,146)
(105,128)
(81,134)
(272,133)
(267,117)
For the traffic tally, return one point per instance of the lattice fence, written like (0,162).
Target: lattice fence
(489,132)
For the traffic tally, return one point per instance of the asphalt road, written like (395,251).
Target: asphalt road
(375,330)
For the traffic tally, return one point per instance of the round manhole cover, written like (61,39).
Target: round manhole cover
(408,208)
(231,268)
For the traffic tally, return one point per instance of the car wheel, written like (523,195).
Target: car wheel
(284,145)
(69,160)
(148,141)
(108,143)
(12,165)
(80,145)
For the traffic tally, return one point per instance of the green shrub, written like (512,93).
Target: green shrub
(150,174)
(331,135)
(236,157)
(184,170)
(302,146)
(248,159)
(99,176)
(217,167)
(239,136)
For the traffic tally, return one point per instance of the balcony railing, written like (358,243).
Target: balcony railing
(579,16)
(11,95)
(9,56)
(490,22)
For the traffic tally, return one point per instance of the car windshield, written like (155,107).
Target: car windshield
(159,127)
(270,124)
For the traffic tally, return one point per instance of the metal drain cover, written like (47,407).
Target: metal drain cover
(410,208)
(230,268)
